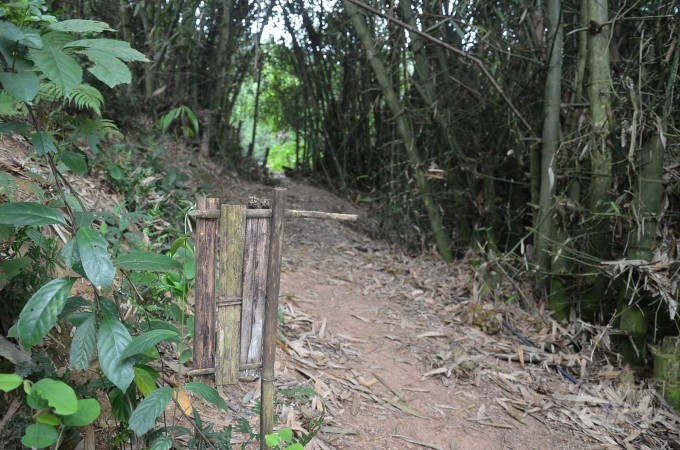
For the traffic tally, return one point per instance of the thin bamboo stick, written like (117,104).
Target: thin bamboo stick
(271,312)
(266,213)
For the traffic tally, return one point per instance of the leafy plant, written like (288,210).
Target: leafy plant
(283,439)
(43,63)
(184,117)
(55,406)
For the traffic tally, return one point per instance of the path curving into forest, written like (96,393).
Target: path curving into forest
(396,348)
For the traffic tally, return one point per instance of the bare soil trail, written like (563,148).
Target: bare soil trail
(408,353)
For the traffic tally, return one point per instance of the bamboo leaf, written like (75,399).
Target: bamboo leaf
(83,344)
(145,341)
(94,257)
(144,416)
(41,311)
(113,338)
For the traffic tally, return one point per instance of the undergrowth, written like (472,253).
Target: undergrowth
(94,298)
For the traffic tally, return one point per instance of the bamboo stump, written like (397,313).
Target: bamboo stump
(667,370)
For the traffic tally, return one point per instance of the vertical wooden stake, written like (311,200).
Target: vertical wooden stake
(232,241)
(204,305)
(271,313)
(255,263)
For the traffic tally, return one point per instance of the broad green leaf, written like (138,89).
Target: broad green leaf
(155,324)
(144,416)
(208,393)
(120,406)
(286,434)
(23,85)
(73,304)
(113,338)
(115,48)
(61,69)
(11,268)
(162,442)
(81,26)
(57,394)
(145,381)
(94,257)
(70,253)
(147,262)
(21,128)
(10,31)
(21,214)
(10,381)
(108,69)
(88,411)
(48,419)
(43,143)
(145,341)
(14,34)
(74,161)
(272,440)
(83,344)
(40,312)
(39,435)
(115,172)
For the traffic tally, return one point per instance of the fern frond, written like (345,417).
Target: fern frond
(82,96)
(101,128)
(49,91)
(85,96)
(10,106)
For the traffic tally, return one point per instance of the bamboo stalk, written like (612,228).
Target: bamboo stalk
(271,313)
(204,307)
(233,234)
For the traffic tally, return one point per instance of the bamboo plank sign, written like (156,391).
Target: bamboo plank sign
(235,330)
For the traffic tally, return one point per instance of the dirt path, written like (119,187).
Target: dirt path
(410,353)
(355,322)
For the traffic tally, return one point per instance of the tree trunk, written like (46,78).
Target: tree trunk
(404,130)
(599,93)
(551,140)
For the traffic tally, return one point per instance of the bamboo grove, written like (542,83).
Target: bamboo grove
(543,129)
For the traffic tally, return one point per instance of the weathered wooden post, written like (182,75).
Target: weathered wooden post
(271,313)
(204,304)
(232,247)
